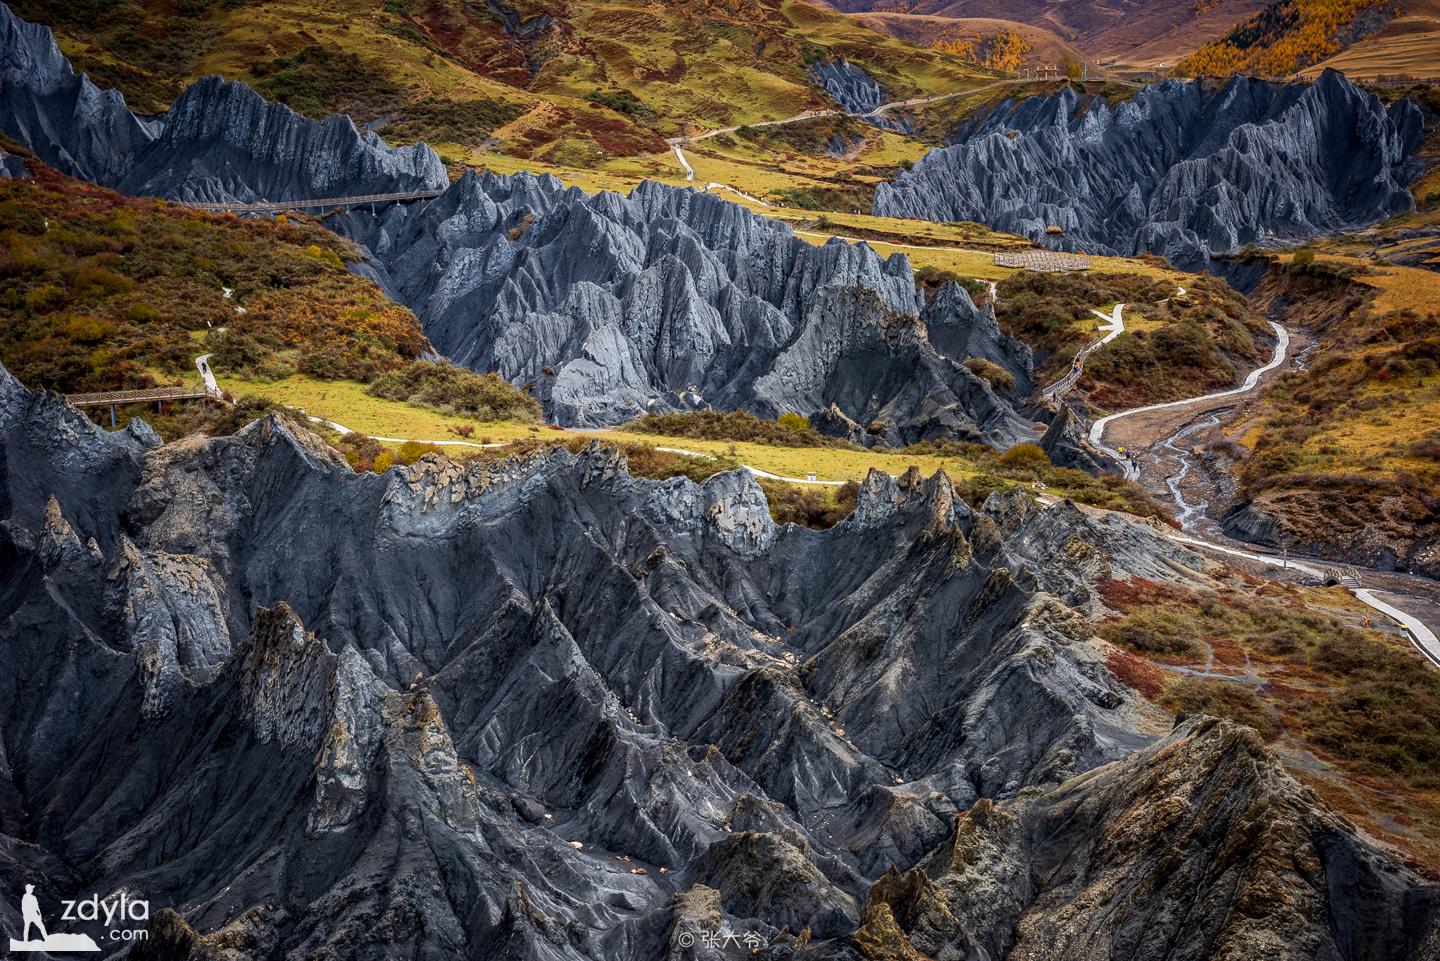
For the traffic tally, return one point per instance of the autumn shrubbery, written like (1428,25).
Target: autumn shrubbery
(1194,348)
(1003,50)
(1369,701)
(790,430)
(103,292)
(809,506)
(1287,36)
(209,418)
(999,379)
(457,391)
(368,454)
(319,80)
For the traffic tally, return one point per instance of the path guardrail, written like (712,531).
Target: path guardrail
(153,395)
(280,206)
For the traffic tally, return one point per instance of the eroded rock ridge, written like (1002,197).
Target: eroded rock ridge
(1180,169)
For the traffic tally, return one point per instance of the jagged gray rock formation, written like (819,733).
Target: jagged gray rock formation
(1200,846)
(849,85)
(668,299)
(222,141)
(219,141)
(12,167)
(1066,444)
(508,658)
(541,709)
(68,122)
(859,94)
(1178,170)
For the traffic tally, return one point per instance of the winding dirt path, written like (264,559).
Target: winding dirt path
(1205,401)
(1114,324)
(1403,591)
(877,112)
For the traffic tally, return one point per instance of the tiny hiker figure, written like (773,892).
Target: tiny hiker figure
(30,911)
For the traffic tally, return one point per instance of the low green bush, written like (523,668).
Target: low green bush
(456,391)
(791,430)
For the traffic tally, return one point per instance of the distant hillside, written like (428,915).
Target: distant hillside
(1134,32)
(1292,35)
(556,81)
(975,36)
(1408,46)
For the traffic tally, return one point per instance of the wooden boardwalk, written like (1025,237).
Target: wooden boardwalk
(152,395)
(280,206)
(158,396)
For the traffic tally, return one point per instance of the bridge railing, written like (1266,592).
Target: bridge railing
(273,206)
(107,398)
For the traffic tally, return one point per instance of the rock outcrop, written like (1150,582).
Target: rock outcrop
(538,708)
(849,85)
(12,166)
(224,142)
(218,142)
(510,657)
(68,122)
(669,299)
(1197,847)
(1178,170)
(1066,444)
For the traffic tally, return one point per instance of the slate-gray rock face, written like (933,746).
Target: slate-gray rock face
(224,142)
(1177,170)
(12,167)
(70,123)
(849,85)
(859,94)
(507,658)
(540,709)
(219,141)
(1197,847)
(670,299)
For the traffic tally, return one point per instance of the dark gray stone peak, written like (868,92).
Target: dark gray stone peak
(68,122)
(12,166)
(960,329)
(849,85)
(223,141)
(1178,170)
(219,142)
(1068,550)
(1201,835)
(540,673)
(670,299)
(1066,444)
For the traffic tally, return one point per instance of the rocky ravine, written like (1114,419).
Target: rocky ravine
(541,709)
(669,299)
(1180,170)
(219,142)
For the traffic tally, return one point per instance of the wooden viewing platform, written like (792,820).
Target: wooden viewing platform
(152,395)
(280,206)
(1044,261)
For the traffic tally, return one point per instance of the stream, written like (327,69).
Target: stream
(1186,511)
